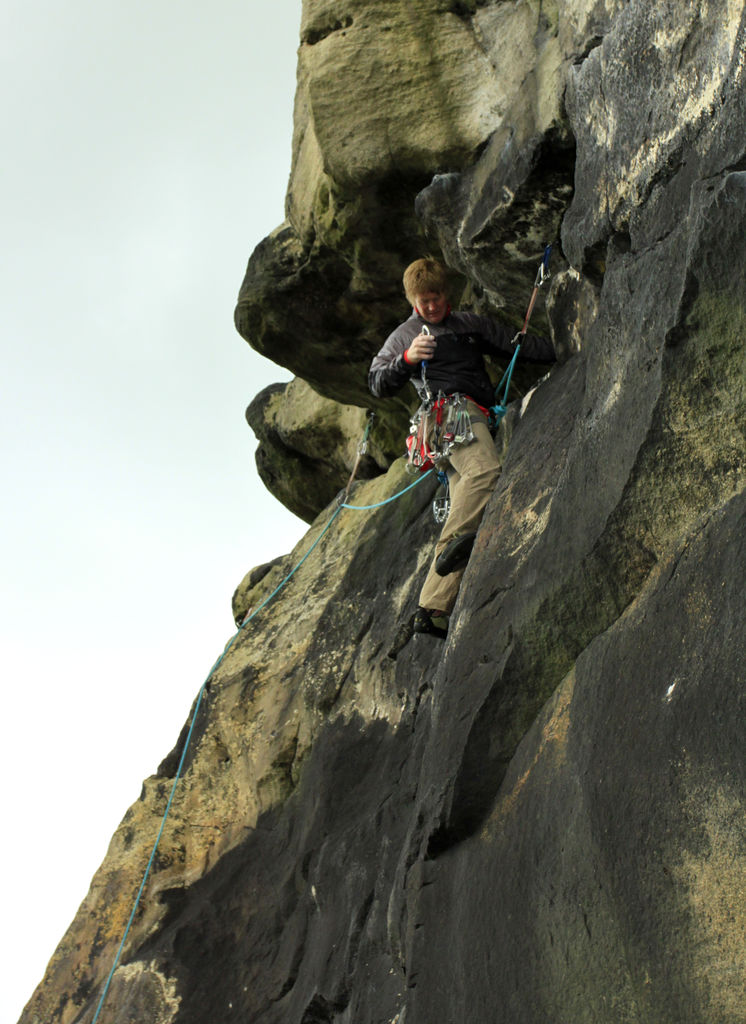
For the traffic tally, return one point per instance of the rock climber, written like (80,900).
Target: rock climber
(452,346)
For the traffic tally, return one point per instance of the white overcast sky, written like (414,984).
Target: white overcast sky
(145,152)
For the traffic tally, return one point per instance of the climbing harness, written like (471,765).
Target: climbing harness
(436,428)
(441,422)
(203,688)
(498,410)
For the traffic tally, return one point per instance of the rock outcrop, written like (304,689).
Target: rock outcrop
(541,819)
(309,445)
(416,124)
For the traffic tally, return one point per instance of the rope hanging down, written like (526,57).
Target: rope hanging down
(200,695)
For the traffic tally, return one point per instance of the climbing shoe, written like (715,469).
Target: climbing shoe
(433,623)
(455,555)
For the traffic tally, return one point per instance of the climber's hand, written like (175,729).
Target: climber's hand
(422,347)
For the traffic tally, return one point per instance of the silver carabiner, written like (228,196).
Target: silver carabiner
(441,508)
(422,389)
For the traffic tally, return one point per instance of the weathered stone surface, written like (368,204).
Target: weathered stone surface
(543,818)
(426,58)
(282,681)
(653,109)
(606,882)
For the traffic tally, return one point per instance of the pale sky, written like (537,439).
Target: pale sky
(146,151)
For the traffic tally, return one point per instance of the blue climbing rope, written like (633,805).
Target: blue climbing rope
(498,410)
(198,702)
(155,844)
(380,504)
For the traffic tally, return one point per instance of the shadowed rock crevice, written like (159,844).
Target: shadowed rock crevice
(492,220)
(313,36)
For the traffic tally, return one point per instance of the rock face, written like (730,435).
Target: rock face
(541,819)
(309,446)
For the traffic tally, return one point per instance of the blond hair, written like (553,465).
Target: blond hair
(422,276)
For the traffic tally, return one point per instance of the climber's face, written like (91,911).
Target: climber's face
(432,306)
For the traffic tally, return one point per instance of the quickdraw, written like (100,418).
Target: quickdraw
(362,449)
(436,428)
(442,505)
(498,410)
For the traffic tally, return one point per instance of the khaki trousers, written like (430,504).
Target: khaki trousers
(473,470)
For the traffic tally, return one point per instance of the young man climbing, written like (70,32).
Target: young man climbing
(448,348)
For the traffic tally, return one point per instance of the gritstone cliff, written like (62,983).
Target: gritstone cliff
(543,819)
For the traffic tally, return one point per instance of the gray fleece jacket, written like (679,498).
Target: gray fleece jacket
(463,339)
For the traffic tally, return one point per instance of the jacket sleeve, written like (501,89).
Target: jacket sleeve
(389,371)
(534,349)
